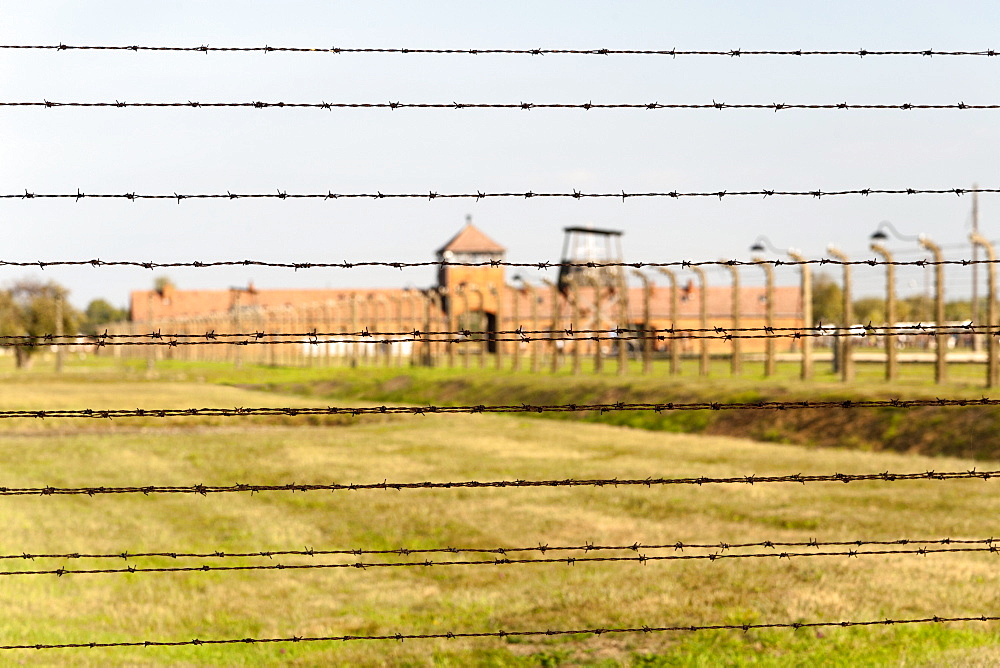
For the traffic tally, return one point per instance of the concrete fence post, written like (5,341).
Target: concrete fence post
(992,367)
(675,302)
(736,360)
(769,358)
(702,320)
(940,336)
(890,310)
(805,294)
(846,344)
(648,332)
(499,293)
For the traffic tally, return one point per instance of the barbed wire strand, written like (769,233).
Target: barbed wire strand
(522,106)
(541,548)
(754,479)
(479,195)
(292,411)
(641,559)
(683,264)
(262,338)
(673,53)
(400,637)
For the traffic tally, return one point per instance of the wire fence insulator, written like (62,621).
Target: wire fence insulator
(399,637)
(480,195)
(650,482)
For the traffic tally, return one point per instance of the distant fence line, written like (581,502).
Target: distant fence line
(551,326)
(524,326)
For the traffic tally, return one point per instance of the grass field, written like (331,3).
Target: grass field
(281,603)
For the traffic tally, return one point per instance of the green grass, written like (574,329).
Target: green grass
(73,608)
(913,375)
(972,432)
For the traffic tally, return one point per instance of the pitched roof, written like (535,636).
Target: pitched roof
(470,239)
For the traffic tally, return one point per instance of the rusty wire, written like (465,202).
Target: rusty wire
(478,195)
(754,479)
(293,411)
(683,264)
(641,559)
(400,637)
(262,338)
(673,53)
(523,106)
(542,548)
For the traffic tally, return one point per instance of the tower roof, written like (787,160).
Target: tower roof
(470,239)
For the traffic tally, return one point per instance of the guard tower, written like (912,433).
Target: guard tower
(587,244)
(472,246)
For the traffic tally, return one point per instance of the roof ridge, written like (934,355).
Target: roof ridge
(470,239)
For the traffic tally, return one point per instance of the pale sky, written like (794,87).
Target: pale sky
(308,150)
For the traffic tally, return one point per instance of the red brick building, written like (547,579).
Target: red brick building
(477,298)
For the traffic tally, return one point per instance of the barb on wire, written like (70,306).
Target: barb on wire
(673,53)
(522,106)
(650,482)
(292,411)
(641,559)
(262,338)
(541,548)
(479,195)
(449,635)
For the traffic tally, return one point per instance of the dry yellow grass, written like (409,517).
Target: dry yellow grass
(77,608)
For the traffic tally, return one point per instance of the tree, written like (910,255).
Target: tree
(827,300)
(100,312)
(959,310)
(30,309)
(161,283)
(869,310)
(916,308)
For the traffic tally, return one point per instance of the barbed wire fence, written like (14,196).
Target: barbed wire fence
(481,195)
(522,106)
(428,326)
(501,634)
(673,53)
(550,326)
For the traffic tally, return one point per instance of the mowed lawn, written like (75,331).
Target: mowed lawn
(487,598)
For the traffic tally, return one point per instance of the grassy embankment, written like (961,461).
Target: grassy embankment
(972,432)
(462,598)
